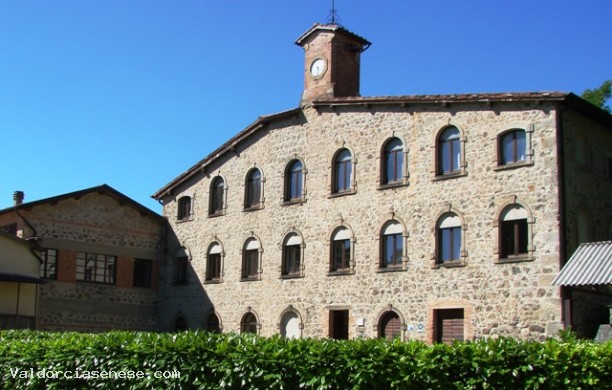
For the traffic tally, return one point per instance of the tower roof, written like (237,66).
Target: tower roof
(335,28)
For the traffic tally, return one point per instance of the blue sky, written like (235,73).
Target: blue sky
(132,93)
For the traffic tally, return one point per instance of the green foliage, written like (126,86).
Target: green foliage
(599,96)
(212,361)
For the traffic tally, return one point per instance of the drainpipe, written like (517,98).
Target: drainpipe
(565,292)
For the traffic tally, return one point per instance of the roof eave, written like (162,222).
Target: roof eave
(229,146)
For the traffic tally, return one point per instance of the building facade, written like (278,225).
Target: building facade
(99,253)
(421,217)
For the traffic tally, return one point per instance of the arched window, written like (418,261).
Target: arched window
(217,196)
(343,172)
(513,147)
(390,326)
(292,255)
(514,232)
(253,196)
(392,245)
(248,324)
(184,208)
(250,259)
(449,151)
(213,324)
(213,262)
(341,250)
(449,238)
(393,162)
(294,181)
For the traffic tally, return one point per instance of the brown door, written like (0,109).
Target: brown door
(390,326)
(448,325)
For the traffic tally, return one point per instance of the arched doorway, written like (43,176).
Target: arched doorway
(390,326)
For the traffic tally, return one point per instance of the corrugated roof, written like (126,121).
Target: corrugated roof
(590,265)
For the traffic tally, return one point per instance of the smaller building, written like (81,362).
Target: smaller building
(588,278)
(99,252)
(19,283)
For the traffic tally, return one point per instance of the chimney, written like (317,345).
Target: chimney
(18,197)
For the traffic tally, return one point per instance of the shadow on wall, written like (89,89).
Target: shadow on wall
(183,302)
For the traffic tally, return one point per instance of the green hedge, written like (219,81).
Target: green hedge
(212,361)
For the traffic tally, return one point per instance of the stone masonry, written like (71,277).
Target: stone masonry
(499,298)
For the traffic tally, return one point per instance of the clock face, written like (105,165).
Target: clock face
(318,67)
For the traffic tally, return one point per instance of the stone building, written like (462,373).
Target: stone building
(431,217)
(100,254)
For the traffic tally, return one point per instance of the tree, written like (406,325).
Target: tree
(599,96)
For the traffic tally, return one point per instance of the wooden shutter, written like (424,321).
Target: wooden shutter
(449,325)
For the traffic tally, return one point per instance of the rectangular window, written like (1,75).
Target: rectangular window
(48,267)
(142,273)
(254,193)
(295,191)
(449,244)
(184,208)
(513,148)
(451,158)
(95,267)
(292,260)
(341,253)
(213,269)
(514,238)
(217,200)
(392,250)
(251,258)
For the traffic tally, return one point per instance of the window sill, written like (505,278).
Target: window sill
(250,279)
(450,175)
(395,184)
(339,194)
(183,220)
(395,268)
(213,281)
(450,264)
(513,165)
(292,276)
(292,202)
(248,209)
(215,215)
(341,272)
(514,259)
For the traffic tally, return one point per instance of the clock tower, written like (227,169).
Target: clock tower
(331,62)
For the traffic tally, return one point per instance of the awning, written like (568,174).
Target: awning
(590,265)
(4,277)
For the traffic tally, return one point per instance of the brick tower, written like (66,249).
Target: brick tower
(331,62)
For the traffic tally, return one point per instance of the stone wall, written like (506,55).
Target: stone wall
(498,298)
(588,146)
